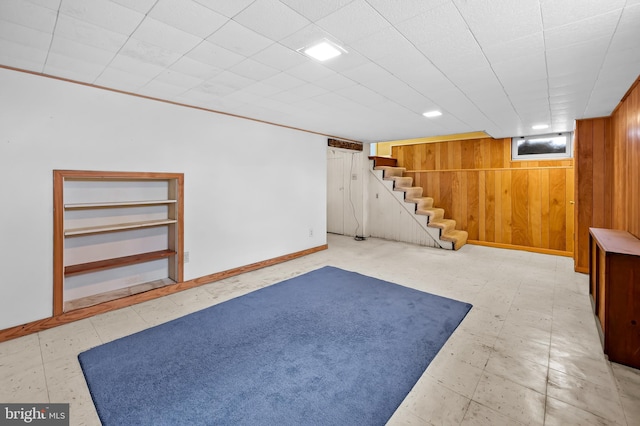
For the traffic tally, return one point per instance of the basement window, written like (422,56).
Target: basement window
(542,147)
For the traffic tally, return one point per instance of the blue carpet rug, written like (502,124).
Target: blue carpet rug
(329,347)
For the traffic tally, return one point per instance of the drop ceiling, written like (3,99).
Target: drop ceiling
(499,66)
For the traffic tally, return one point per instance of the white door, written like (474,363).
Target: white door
(335,194)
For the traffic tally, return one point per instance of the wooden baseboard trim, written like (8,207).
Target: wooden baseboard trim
(78,314)
(523,248)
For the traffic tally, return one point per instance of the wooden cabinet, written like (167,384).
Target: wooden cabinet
(115,234)
(614,274)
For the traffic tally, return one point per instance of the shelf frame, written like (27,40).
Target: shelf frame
(174,202)
(90,230)
(108,205)
(101,265)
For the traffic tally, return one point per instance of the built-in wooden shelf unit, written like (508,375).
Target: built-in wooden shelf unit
(115,234)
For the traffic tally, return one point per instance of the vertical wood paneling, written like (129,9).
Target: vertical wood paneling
(491,197)
(519,210)
(507,223)
(545,220)
(490,206)
(557,209)
(584,168)
(474,210)
(534,209)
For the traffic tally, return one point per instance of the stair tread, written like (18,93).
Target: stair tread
(442,222)
(430,211)
(457,237)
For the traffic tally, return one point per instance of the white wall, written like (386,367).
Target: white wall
(252,191)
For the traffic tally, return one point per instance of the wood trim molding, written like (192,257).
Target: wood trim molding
(78,314)
(95,86)
(523,248)
(352,146)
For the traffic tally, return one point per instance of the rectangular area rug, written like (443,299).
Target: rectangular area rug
(330,347)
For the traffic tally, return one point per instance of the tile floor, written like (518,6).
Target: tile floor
(527,353)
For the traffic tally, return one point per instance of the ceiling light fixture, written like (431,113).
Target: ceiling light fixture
(540,126)
(323,50)
(431,114)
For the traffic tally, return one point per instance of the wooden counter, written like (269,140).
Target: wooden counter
(614,286)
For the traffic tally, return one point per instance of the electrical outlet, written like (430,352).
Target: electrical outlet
(311,232)
(185,257)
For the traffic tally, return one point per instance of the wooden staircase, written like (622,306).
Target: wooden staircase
(441,229)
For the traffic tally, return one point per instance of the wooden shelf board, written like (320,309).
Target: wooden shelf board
(101,265)
(116,227)
(115,204)
(96,299)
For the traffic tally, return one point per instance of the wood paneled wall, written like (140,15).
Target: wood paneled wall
(498,201)
(625,183)
(593,175)
(608,173)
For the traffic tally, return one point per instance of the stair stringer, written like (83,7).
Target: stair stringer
(392,218)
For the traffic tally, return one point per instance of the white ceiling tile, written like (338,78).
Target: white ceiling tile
(307,36)
(334,82)
(316,9)
(161,90)
(148,53)
(279,57)
(162,35)
(72,49)
(115,78)
(395,11)
(194,68)
(598,27)
(283,81)
(239,39)
(244,96)
(211,54)
(228,8)
(450,63)
(521,69)
(28,14)
(560,13)
(103,13)
(89,34)
(510,49)
(188,16)
(362,95)
(349,59)
(493,21)
(470,79)
(309,90)
(136,66)
(142,6)
(178,79)
(310,71)
(21,56)
(388,41)
(262,89)
(24,35)
(342,24)
(253,70)
(271,19)
(49,4)
(288,96)
(72,68)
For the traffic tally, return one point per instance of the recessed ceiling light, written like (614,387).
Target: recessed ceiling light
(540,126)
(323,50)
(431,114)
